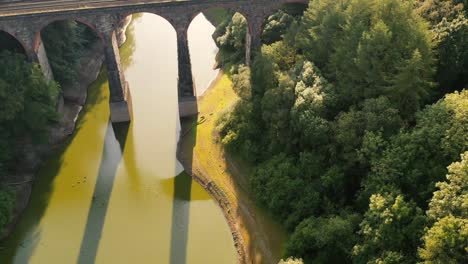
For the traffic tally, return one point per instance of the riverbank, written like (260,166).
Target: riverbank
(69,105)
(258,239)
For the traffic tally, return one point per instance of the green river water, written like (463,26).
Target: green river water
(101,201)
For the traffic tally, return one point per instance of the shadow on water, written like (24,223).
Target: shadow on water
(116,136)
(181,202)
(180,218)
(20,246)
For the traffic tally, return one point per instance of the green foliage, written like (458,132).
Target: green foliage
(437,10)
(445,241)
(320,28)
(65,42)
(28,106)
(375,115)
(452,49)
(230,36)
(390,231)
(452,196)
(278,185)
(416,159)
(335,114)
(411,86)
(324,239)
(7,202)
(29,99)
(291,260)
(276,26)
(242,82)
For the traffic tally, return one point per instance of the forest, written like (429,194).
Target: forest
(29,100)
(355,118)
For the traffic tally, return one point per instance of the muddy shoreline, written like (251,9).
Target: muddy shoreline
(201,177)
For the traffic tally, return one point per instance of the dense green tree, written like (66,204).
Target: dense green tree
(375,115)
(27,109)
(390,231)
(334,118)
(291,260)
(447,239)
(29,99)
(411,86)
(275,26)
(242,82)
(362,44)
(452,196)
(416,159)
(320,28)
(276,184)
(276,104)
(437,10)
(230,36)
(324,239)
(452,48)
(282,55)
(65,42)
(6,206)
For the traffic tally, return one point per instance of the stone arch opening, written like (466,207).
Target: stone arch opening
(65,43)
(278,20)
(149,59)
(230,35)
(11,43)
(151,35)
(203,51)
(85,25)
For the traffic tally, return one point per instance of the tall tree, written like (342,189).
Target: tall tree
(390,231)
(447,239)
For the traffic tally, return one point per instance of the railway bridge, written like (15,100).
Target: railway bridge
(25,19)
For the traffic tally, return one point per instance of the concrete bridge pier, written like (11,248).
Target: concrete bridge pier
(120,98)
(186,88)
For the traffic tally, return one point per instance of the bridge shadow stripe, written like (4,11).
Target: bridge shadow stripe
(116,136)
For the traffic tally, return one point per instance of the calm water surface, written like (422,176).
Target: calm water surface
(111,195)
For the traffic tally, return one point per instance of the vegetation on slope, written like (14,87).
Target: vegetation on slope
(29,100)
(28,105)
(351,119)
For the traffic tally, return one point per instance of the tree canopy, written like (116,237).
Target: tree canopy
(350,115)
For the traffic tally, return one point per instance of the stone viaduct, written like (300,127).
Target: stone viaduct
(26,28)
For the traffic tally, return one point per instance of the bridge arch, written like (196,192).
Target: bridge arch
(290,7)
(9,41)
(41,27)
(217,16)
(157,13)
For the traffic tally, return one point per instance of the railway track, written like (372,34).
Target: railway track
(13,8)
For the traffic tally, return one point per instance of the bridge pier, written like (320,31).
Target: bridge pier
(186,88)
(37,54)
(254,36)
(120,98)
